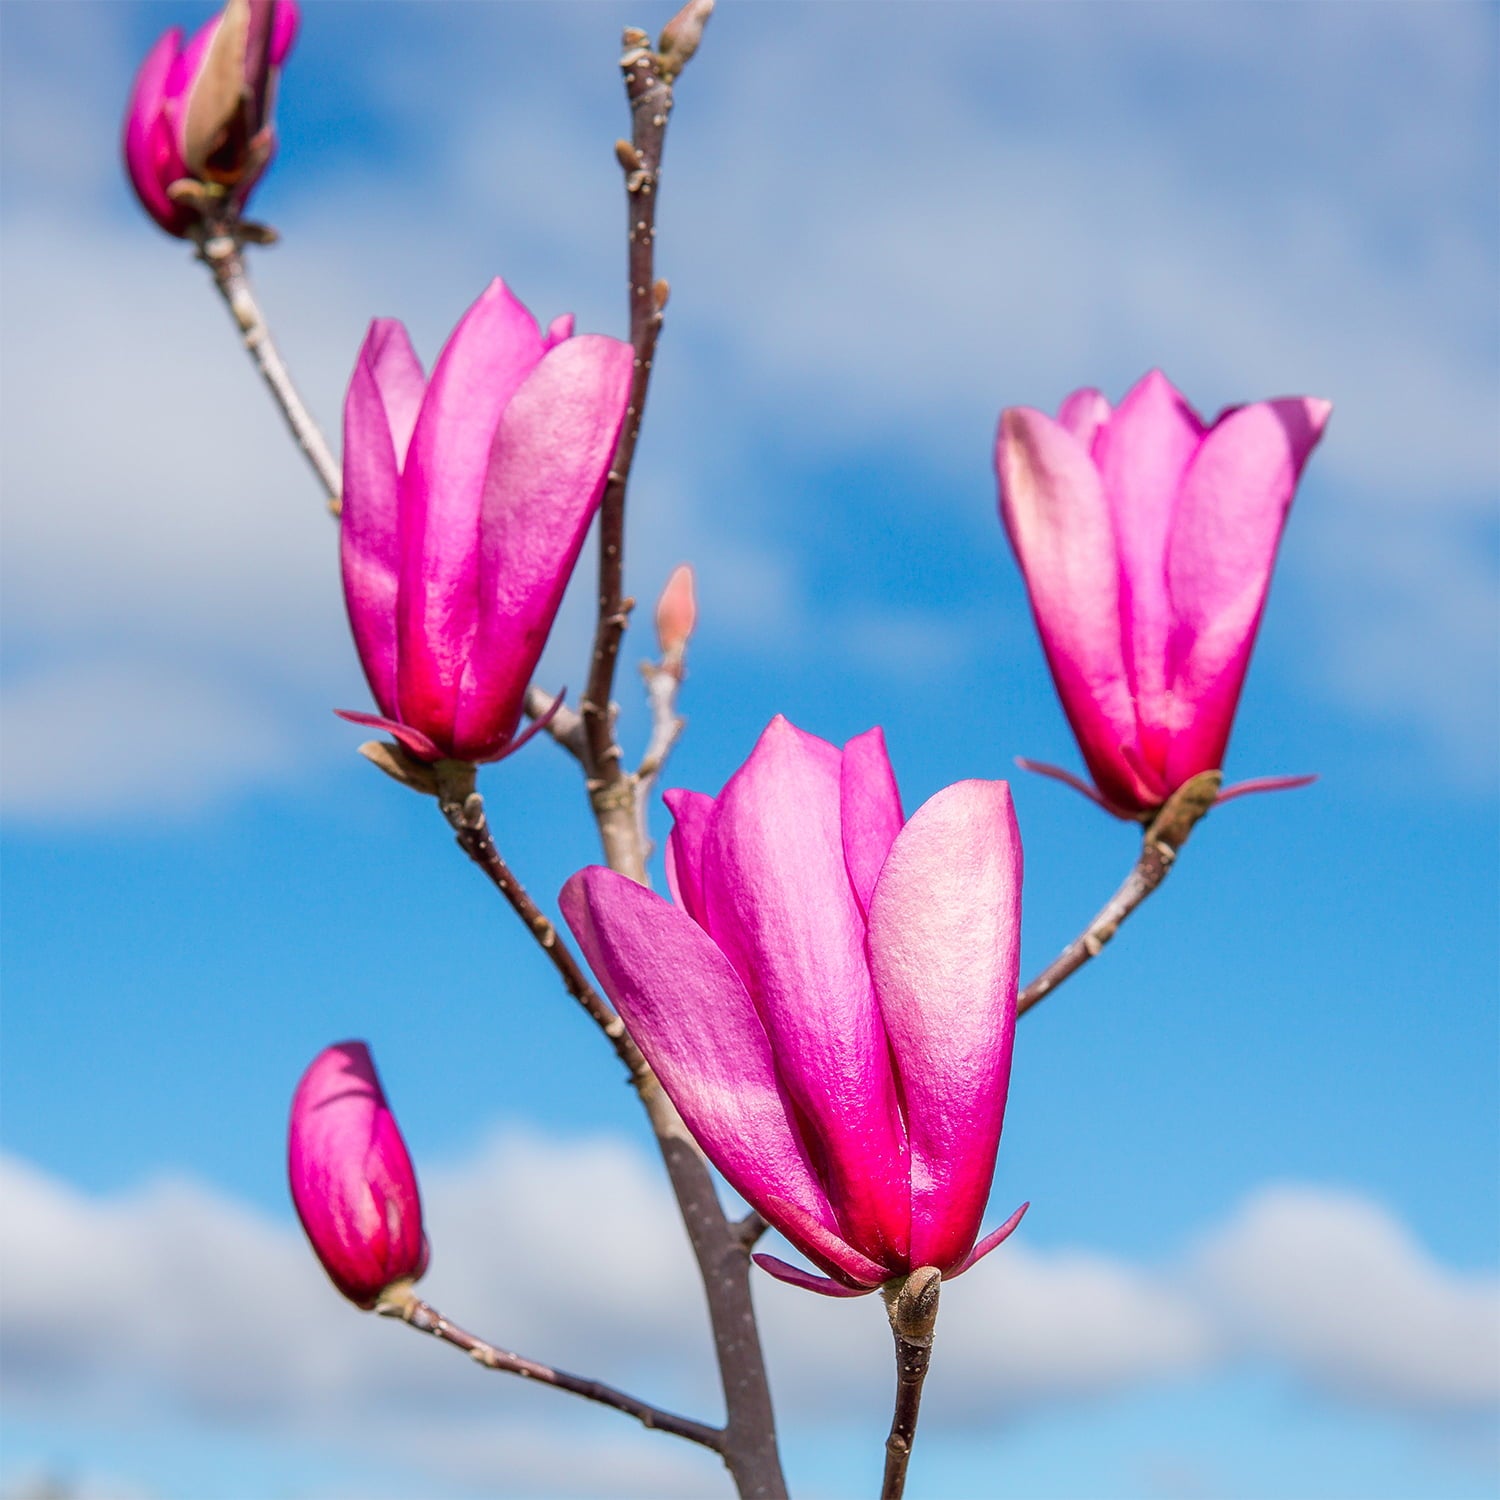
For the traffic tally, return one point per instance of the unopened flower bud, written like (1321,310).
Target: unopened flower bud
(676,613)
(352,1181)
(681,35)
(198,128)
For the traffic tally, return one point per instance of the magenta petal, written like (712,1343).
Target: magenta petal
(691,812)
(368,517)
(493,349)
(413,739)
(550,460)
(284,30)
(991,1241)
(1142,456)
(781,907)
(1056,773)
(1262,784)
(151,156)
(870,809)
(1082,415)
(398,375)
(690,1015)
(945,924)
(560,328)
(820,1244)
(805,1279)
(1234,503)
(1059,522)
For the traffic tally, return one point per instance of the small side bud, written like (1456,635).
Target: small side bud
(627,156)
(676,615)
(681,35)
(661,290)
(352,1180)
(633,38)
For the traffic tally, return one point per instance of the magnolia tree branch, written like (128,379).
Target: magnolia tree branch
(912,1306)
(648,86)
(220,249)
(1166,833)
(402,1303)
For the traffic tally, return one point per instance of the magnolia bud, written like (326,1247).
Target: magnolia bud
(352,1181)
(681,35)
(676,613)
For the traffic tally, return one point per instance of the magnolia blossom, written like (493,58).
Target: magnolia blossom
(201,114)
(1147,539)
(352,1181)
(466,501)
(829,999)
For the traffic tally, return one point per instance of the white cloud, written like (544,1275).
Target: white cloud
(173,1297)
(1335,1287)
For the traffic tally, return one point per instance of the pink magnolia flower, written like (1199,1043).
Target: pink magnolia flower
(352,1181)
(202,113)
(830,1001)
(1147,539)
(466,501)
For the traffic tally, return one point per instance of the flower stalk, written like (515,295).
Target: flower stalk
(912,1305)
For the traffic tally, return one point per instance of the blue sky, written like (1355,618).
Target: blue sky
(1259,1136)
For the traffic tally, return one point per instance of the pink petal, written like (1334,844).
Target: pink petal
(993,1240)
(413,739)
(805,1279)
(491,352)
(550,459)
(284,30)
(945,923)
(691,812)
(560,328)
(382,382)
(870,810)
(1082,415)
(1262,784)
(1142,456)
(151,156)
(1054,508)
(1234,503)
(690,1015)
(781,907)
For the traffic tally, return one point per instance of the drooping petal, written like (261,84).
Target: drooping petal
(1262,784)
(805,1279)
(1142,455)
(690,1015)
(413,739)
(1234,504)
(945,925)
(151,156)
(781,907)
(691,812)
(550,458)
(490,353)
(1054,508)
(870,810)
(992,1241)
(381,385)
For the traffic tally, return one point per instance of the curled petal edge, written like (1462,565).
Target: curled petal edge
(1041,768)
(805,1279)
(993,1239)
(1263,784)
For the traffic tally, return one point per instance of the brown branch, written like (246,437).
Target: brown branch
(565,726)
(463,807)
(1167,832)
(648,87)
(402,1303)
(220,249)
(912,1306)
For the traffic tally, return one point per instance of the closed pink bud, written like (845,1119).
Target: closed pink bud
(676,612)
(1147,538)
(466,501)
(200,115)
(829,999)
(352,1181)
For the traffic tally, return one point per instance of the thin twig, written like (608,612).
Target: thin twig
(463,807)
(219,248)
(912,1307)
(1165,835)
(648,86)
(662,680)
(565,725)
(426,1319)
